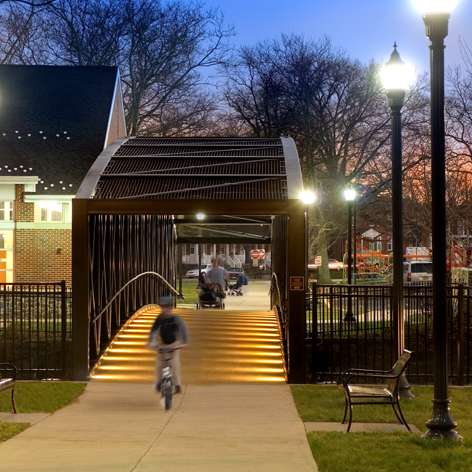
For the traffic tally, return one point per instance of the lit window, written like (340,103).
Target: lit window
(6,211)
(53,212)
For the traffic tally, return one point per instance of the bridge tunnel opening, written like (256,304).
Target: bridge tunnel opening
(139,203)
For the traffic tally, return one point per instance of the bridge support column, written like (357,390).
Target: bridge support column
(80,290)
(296,286)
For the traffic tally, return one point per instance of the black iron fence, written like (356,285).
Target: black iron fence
(35,328)
(366,339)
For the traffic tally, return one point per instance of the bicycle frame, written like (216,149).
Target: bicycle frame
(167,382)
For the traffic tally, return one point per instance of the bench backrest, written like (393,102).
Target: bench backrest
(397,370)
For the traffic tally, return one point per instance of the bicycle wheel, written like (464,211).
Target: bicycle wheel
(168,396)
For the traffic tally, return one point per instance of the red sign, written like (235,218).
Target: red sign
(257,253)
(297,283)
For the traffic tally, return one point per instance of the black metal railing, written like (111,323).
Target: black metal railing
(277,305)
(103,325)
(35,328)
(369,342)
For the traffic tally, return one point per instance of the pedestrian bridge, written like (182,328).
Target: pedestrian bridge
(224,347)
(140,201)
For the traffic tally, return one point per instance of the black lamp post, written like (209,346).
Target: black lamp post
(396,78)
(350,196)
(436,18)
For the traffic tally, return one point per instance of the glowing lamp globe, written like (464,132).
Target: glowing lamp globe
(395,75)
(308,197)
(349,194)
(200,216)
(435,7)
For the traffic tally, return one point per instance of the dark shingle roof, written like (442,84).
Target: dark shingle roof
(53,120)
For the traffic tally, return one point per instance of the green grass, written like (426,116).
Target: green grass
(36,397)
(384,452)
(46,397)
(189,291)
(8,430)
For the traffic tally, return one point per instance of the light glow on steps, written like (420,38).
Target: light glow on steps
(224,347)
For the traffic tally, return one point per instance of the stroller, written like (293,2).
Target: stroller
(237,288)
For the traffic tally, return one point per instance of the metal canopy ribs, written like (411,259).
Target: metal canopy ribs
(194,168)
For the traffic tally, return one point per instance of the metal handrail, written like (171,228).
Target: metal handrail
(279,295)
(156,274)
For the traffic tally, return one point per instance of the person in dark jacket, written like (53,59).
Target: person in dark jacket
(168,334)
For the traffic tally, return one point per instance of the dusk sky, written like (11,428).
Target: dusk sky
(366,29)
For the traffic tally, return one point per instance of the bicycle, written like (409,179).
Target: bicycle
(167,381)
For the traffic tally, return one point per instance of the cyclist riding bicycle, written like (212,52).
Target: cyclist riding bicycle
(168,334)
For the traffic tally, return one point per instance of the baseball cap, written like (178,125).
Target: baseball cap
(166,300)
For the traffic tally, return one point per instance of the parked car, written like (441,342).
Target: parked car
(418,271)
(333,264)
(193,273)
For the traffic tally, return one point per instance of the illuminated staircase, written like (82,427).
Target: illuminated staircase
(224,347)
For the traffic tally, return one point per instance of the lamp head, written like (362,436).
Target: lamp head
(350,194)
(200,216)
(435,7)
(308,197)
(396,76)
(436,15)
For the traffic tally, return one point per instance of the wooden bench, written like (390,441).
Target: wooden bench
(7,382)
(386,394)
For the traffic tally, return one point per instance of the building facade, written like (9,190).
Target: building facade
(55,121)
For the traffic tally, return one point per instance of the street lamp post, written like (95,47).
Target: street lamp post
(436,18)
(354,232)
(350,196)
(396,77)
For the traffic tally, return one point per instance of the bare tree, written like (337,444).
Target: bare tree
(84,33)
(334,108)
(30,3)
(162,48)
(20,34)
(459,108)
(167,49)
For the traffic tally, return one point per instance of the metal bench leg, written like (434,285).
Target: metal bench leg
(13,404)
(402,418)
(396,413)
(345,411)
(350,417)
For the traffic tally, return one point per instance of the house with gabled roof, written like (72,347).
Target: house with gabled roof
(54,122)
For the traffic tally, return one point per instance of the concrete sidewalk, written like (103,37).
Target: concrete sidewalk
(120,427)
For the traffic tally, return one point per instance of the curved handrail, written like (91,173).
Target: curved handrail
(276,279)
(156,274)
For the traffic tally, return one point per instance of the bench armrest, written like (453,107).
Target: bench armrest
(368,371)
(371,374)
(8,366)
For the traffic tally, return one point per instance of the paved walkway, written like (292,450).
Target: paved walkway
(255,297)
(119,427)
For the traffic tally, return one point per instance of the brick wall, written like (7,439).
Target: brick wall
(43,255)
(22,211)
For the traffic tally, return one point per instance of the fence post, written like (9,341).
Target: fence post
(64,326)
(314,330)
(460,341)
